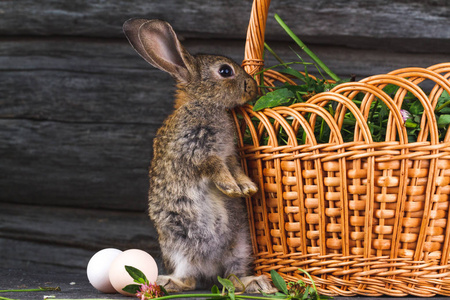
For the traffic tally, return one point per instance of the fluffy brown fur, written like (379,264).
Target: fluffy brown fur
(196,182)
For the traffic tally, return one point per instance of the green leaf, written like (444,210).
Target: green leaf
(443,120)
(445,95)
(391,89)
(446,109)
(215,289)
(443,105)
(411,124)
(415,118)
(384,110)
(229,286)
(412,138)
(279,282)
(294,73)
(165,292)
(272,99)
(303,89)
(309,292)
(132,288)
(279,295)
(416,108)
(137,275)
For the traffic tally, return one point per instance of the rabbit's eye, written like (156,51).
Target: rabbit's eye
(226,71)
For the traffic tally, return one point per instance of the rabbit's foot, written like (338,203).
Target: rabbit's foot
(230,189)
(257,284)
(175,285)
(248,188)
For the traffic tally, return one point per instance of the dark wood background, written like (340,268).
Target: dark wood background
(79,108)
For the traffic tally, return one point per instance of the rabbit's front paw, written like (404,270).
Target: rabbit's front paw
(175,285)
(248,188)
(230,189)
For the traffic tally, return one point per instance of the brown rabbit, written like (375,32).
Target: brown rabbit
(196,182)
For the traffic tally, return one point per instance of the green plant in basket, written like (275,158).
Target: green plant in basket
(307,86)
(290,94)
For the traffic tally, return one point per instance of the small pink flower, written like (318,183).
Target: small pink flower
(405,114)
(149,291)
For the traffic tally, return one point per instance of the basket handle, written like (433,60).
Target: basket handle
(254,45)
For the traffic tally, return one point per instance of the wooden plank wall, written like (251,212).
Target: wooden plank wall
(79,108)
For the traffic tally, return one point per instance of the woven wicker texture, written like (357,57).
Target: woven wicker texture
(362,217)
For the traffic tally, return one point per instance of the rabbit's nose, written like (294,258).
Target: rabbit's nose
(250,90)
(249,86)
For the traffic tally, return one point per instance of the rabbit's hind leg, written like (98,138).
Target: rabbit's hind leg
(238,263)
(257,284)
(173,284)
(182,278)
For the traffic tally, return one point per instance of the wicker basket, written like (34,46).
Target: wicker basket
(362,217)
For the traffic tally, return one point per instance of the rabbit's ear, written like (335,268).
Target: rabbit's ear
(158,44)
(131,30)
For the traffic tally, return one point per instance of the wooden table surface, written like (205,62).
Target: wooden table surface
(75,285)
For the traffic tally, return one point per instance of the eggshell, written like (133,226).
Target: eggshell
(98,269)
(139,259)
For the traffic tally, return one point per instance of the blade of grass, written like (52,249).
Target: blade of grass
(284,65)
(312,282)
(274,54)
(39,289)
(306,49)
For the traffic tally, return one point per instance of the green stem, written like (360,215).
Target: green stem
(306,49)
(274,54)
(211,296)
(321,130)
(190,296)
(442,106)
(312,282)
(32,290)
(257,298)
(372,113)
(170,297)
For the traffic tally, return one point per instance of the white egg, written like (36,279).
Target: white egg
(98,269)
(139,259)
